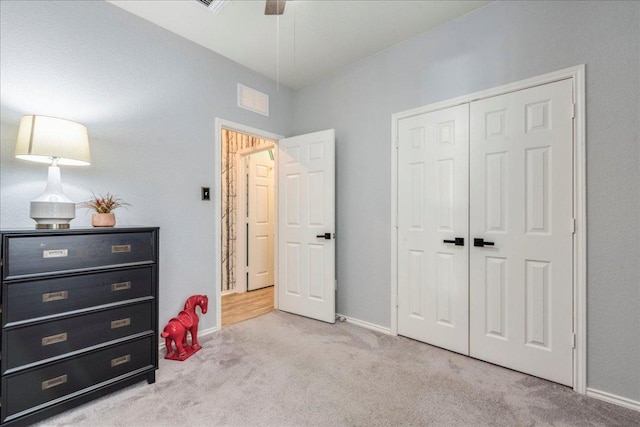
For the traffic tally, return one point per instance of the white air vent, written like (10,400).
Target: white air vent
(214,6)
(253,100)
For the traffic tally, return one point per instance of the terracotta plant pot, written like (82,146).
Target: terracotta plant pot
(103,220)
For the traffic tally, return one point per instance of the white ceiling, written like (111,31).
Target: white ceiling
(313,37)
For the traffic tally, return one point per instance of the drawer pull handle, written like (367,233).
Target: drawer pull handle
(55,253)
(120,360)
(55,296)
(54,382)
(115,249)
(120,323)
(120,286)
(54,339)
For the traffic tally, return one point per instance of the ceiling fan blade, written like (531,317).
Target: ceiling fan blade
(274,7)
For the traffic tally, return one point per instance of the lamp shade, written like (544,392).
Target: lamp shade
(42,138)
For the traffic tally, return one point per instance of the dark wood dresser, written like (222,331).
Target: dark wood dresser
(79,317)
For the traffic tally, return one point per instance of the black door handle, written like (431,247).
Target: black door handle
(481,243)
(458,241)
(324,236)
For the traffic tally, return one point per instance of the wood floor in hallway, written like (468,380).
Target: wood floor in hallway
(246,305)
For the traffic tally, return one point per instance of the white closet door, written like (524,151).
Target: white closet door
(432,209)
(521,203)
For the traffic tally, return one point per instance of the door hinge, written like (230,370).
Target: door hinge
(335,284)
(573,340)
(573,226)
(397,144)
(573,110)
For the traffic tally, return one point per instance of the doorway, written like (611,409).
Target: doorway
(305,233)
(247,221)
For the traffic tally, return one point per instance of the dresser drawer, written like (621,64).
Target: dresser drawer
(41,341)
(39,386)
(55,253)
(39,298)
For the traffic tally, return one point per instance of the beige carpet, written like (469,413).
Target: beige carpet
(284,370)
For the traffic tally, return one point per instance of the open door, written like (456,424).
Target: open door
(306,225)
(260,219)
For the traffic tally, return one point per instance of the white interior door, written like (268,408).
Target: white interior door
(521,205)
(260,220)
(306,215)
(433,227)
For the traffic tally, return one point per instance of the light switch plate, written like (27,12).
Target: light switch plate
(206,193)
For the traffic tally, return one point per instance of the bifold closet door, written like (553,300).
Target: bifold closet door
(521,204)
(497,173)
(433,182)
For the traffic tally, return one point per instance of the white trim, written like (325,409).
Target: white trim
(555,76)
(394,225)
(615,399)
(363,324)
(276,244)
(217,162)
(253,150)
(241,267)
(208,331)
(580,237)
(162,348)
(577,74)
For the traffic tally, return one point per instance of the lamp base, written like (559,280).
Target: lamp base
(52,215)
(52,226)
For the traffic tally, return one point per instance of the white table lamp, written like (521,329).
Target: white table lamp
(57,142)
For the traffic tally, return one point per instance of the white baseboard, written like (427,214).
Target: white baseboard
(364,324)
(228,292)
(612,398)
(202,333)
(205,332)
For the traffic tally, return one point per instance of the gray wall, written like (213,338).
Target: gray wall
(501,43)
(149,100)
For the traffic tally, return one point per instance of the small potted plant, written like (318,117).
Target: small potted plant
(103,207)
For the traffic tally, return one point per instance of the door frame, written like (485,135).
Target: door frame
(217,209)
(577,76)
(241,246)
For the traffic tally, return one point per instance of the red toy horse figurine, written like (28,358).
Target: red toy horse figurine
(177,328)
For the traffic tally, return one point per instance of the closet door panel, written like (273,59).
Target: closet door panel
(521,193)
(433,208)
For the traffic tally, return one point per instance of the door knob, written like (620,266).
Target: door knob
(458,241)
(481,243)
(324,236)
